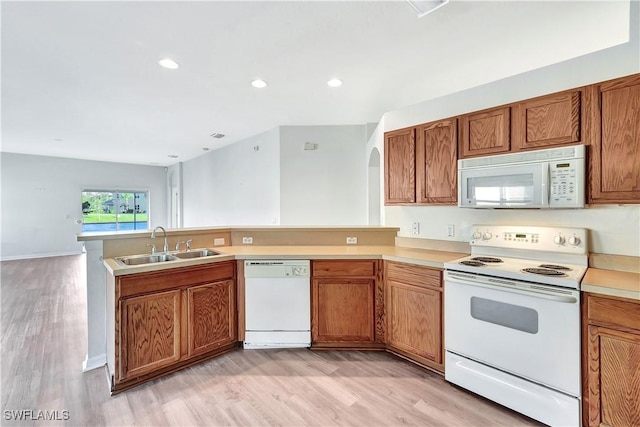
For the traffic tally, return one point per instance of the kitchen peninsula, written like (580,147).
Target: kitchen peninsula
(313,243)
(406,277)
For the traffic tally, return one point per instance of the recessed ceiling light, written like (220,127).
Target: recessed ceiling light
(173,156)
(205,148)
(168,63)
(259,83)
(334,82)
(217,135)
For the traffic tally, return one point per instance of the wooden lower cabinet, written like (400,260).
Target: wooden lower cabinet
(150,332)
(347,304)
(413,297)
(166,320)
(211,317)
(611,361)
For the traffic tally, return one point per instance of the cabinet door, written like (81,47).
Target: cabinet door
(150,332)
(485,132)
(614,173)
(212,316)
(437,162)
(613,377)
(414,320)
(400,166)
(343,310)
(547,121)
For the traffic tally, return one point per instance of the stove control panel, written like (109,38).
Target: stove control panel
(553,239)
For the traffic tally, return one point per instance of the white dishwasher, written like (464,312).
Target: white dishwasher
(277,304)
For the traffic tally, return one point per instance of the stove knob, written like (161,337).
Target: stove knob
(558,240)
(574,241)
(477,235)
(487,236)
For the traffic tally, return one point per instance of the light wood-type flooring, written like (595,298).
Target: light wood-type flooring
(44,344)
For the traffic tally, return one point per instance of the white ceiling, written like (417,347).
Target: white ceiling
(81,79)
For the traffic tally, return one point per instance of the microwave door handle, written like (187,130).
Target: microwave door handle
(546,185)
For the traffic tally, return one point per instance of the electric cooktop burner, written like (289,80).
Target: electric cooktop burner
(544,271)
(473,263)
(555,267)
(486,259)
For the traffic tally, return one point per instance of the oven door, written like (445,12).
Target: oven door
(522,328)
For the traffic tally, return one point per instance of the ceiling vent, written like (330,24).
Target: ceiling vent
(217,135)
(424,7)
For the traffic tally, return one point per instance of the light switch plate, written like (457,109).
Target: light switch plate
(415,228)
(218,242)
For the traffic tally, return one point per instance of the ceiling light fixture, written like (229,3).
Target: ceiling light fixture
(168,63)
(424,7)
(217,135)
(173,156)
(335,82)
(259,83)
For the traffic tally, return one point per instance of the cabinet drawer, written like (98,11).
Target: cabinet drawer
(611,311)
(414,274)
(136,284)
(344,268)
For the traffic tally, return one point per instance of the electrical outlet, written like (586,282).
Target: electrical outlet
(247,240)
(451,230)
(415,228)
(352,240)
(218,242)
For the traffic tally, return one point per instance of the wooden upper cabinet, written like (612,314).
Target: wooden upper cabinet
(614,157)
(399,166)
(436,162)
(547,121)
(485,132)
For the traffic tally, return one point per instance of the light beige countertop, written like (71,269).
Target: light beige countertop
(609,275)
(425,257)
(610,282)
(614,275)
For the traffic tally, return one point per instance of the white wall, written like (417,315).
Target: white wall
(269,179)
(175,190)
(614,229)
(326,185)
(41,200)
(234,185)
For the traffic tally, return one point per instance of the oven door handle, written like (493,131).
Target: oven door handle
(537,293)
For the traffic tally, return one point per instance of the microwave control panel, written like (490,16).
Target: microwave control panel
(566,181)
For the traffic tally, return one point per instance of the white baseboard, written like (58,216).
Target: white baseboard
(95,362)
(32,256)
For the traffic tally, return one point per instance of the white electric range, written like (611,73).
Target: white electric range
(512,319)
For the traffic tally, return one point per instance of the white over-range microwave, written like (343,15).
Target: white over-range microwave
(551,178)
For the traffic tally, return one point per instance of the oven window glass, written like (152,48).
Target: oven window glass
(508,315)
(512,190)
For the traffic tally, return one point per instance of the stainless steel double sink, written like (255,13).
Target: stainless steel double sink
(130,260)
